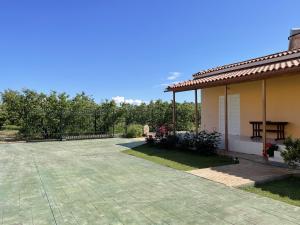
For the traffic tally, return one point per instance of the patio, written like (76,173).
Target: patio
(246,173)
(92,182)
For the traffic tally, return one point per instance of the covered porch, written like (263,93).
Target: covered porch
(250,105)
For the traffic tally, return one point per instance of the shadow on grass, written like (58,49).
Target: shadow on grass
(178,159)
(133,144)
(287,190)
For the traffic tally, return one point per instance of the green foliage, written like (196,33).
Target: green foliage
(185,113)
(291,154)
(119,128)
(207,143)
(13,106)
(54,115)
(186,142)
(172,141)
(134,130)
(3,116)
(11,127)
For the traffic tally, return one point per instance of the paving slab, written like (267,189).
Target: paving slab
(246,173)
(93,182)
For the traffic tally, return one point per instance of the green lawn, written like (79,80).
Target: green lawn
(286,190)
(178,159)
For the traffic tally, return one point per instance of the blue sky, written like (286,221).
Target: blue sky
(133,48)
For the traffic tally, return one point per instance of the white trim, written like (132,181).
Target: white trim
(234,117)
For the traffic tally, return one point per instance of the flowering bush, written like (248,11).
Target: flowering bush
(162,131)
(207,142)
(187,141)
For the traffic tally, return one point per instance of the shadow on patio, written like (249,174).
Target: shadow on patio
(245,173)
(133,144)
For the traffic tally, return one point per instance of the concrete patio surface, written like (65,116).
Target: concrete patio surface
(243,174)
(92,182)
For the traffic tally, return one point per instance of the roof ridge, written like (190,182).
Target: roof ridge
(257,59)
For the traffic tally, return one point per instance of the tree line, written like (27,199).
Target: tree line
(52,115)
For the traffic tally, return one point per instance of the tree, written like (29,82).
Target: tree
(57,116)
(12,103)
(82,114)
(3,116)
(128,115)
(53,115)
(108,116)
(185,113)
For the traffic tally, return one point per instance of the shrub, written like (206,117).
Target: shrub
(186,142)
(169,141)
(134,130)
(162,142)
(207,143)
(172,141)
(162,131)
(150,140)
(291,154)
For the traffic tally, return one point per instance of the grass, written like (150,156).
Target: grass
(178,159)
(286,190)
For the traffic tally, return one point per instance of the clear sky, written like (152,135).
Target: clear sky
(132,48)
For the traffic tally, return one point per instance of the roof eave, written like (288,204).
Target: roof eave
(242,79)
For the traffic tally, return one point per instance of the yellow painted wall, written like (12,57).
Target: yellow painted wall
(283,104)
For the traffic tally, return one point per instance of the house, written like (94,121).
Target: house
(252,102)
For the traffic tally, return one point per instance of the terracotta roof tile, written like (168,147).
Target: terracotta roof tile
(249,69)
(240,73)
(276,55)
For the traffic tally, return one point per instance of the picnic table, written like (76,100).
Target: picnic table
(277,127)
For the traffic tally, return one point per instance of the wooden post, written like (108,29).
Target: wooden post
(196,112)
(174,113)
(226,118)
(264,114)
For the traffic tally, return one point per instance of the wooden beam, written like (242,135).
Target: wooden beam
(174,113)
(264,114)
(226,118)
(196,112)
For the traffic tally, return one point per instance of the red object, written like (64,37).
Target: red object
(265,152)
(162,131)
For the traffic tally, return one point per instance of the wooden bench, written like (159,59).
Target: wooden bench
(274,127)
